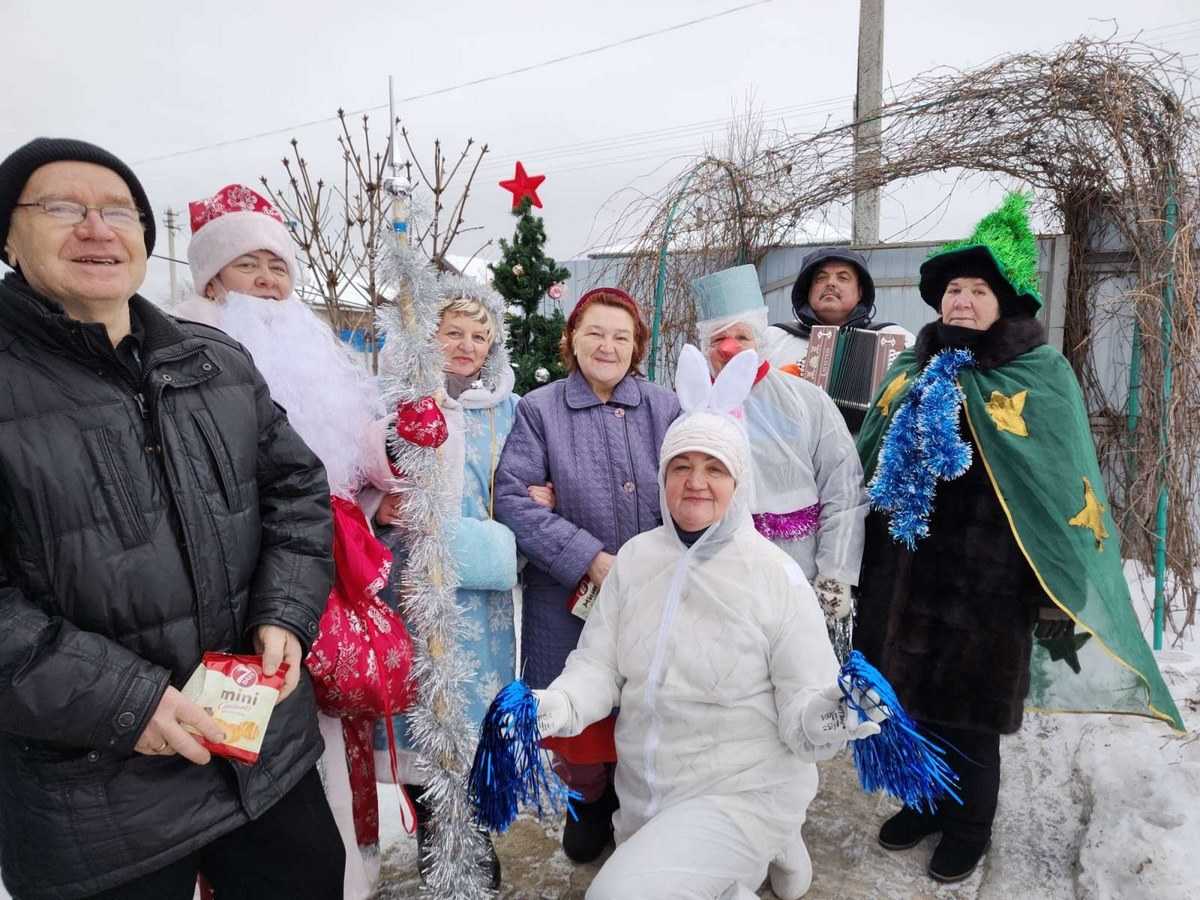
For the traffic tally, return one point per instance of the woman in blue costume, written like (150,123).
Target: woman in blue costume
(478,409)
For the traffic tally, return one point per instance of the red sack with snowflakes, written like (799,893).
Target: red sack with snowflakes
(361,659)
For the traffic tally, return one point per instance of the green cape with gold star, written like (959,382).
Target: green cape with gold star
(1028,423)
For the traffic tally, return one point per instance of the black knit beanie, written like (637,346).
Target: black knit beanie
(22,162)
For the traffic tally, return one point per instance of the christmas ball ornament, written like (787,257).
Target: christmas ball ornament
(518,270)
(541,375)
(556,291)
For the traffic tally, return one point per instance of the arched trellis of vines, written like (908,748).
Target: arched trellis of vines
(1105,134)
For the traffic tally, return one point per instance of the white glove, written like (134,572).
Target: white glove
(825,719)
(834,597)
(554,713)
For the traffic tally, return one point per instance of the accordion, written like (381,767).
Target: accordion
(849,364)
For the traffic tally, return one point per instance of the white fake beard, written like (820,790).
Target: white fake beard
(329,399)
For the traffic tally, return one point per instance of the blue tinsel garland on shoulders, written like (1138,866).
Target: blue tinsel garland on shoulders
(922,445)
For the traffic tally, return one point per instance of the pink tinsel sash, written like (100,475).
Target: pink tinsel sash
(793,526)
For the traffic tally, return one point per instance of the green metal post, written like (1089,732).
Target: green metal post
(660,285)
(1134,403)
(1160,524)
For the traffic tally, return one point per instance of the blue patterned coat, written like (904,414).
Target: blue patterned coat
(485,559)
(485,554)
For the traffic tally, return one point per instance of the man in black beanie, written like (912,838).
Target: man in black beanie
(154,505)
(24,161)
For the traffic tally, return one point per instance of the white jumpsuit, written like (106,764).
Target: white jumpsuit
(712,654)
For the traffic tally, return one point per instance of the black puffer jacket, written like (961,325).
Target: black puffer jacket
(140,525)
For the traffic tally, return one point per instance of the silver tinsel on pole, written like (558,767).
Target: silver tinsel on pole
(412,369)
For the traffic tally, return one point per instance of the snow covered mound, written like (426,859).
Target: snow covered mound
(1141,785)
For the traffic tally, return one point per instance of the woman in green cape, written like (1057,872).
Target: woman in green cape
(992,575)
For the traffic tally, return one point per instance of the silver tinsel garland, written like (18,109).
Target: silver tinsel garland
(412,369)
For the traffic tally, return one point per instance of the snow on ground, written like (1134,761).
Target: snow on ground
(1142,837)
(1093,807)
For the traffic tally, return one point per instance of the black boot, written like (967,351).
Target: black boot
(955,858)
(907,828)
(424,814)
(585,838)
(491,862)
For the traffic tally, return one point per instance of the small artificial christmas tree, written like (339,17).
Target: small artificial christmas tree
(522,277)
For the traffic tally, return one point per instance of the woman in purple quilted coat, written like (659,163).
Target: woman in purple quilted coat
(594,436)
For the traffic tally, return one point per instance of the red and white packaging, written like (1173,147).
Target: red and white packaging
(235,692)
(583,598)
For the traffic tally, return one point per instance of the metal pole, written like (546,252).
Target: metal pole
(867,101)
(660,285)
(1134,403)
(1160,524)
(391,125)
(170,217)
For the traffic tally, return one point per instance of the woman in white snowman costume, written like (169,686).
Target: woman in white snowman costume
(709,639)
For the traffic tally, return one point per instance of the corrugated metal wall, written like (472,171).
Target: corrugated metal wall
(894,268)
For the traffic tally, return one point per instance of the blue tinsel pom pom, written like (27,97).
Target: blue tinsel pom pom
(921,446)
(900,761)
(510,768)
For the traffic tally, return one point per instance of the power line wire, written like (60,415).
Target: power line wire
(800,113)
(1168,27)
(678,146)
(472,83)
(554,61)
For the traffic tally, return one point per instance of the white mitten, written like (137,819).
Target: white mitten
(554,713)
(825,719)
(834,597)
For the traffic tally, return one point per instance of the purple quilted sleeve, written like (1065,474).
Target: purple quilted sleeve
(560,548)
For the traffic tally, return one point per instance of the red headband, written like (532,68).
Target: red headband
(609,293)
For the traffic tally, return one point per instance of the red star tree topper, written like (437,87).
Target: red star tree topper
(522,185)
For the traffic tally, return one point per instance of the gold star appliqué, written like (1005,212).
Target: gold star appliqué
(895,386)
(1091,516)
(1006,412)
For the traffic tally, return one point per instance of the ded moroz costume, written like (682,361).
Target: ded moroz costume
(331,402)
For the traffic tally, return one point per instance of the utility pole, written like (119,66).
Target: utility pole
(171,229)
(867,100)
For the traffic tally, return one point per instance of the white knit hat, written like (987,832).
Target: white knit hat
(713,433)
(234,221)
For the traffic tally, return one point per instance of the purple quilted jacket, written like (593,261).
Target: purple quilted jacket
(603,461)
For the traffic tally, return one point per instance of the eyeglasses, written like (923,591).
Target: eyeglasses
(71,213)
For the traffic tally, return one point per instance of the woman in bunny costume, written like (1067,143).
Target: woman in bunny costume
(708,638)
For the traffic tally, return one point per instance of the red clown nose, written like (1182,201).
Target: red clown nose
(728,348)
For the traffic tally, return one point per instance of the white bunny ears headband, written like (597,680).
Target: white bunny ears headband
(708,423)
(698,392)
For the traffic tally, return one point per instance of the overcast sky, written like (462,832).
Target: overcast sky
(147,79)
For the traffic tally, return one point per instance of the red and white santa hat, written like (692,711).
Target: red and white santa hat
(233,221)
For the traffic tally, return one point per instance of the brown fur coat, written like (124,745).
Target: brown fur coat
(951,624)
